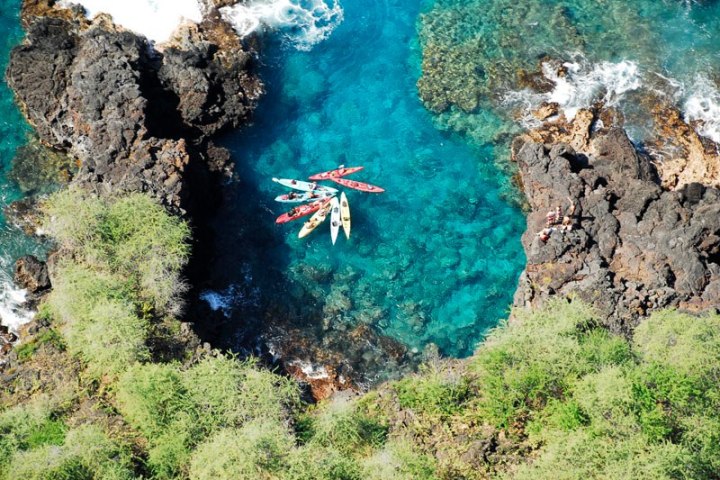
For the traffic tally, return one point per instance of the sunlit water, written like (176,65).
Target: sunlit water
(13,133)
(435,259)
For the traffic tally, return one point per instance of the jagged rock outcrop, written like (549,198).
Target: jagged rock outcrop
(135,118)
(32,274)
(634,247)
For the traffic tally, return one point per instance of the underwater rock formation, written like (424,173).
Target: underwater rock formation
(634,246)
(135,118)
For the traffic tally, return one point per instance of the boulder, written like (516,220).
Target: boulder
(630,246)
(32,274)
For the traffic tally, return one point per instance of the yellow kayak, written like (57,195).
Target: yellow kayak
(345,214)
(318,218)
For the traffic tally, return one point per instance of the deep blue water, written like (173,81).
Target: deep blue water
(436,258)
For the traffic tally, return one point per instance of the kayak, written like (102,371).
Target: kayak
(363,187)
(293,197)
(303,186)
(334,219)
(318,218)
(300,211)
(345,214)
(337,173)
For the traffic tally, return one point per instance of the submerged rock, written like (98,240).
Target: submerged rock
(631,246)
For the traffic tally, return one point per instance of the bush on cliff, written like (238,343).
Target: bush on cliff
(556,389)
(218,399)
(131,236)
(121,266)
(86,453)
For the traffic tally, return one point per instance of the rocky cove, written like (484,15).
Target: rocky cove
(136,119)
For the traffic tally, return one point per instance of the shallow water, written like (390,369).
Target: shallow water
(436,258)
(13,133)
(620,51)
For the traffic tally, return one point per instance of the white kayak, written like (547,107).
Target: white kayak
(345,214)
(293,197)
(334,219)
(318,218)
(303,186)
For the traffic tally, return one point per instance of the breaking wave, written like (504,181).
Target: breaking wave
(702,108)
(303,23)
(155,19)
(579,84)
(12,313)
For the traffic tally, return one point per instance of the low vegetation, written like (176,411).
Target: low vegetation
(550,395)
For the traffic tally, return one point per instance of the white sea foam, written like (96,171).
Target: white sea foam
(155,19)
(304,23)
(582,84)
(702,104)
(585,84)
(12,313)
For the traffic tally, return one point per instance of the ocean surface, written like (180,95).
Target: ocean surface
(434,260)
(13,134)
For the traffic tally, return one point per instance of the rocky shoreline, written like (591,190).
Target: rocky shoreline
(643,234)
(633,245)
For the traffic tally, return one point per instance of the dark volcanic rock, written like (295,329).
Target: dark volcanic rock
(634,247)
(32,274)
(134,118)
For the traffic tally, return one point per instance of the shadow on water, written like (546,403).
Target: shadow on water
(431,264)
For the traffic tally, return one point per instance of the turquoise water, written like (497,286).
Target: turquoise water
(13,133)
(433,260)
(476,50)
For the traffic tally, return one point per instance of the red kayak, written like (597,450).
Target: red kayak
(363,187)
(301,211)
(337,173)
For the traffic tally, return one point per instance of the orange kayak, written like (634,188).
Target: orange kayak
(337,173)
(301,211)
(363,187)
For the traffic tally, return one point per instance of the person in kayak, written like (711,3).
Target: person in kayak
(292,196)
(292,212)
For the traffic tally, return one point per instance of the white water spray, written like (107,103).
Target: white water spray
(304,23)
(583,84)
(702,104)
(155,19)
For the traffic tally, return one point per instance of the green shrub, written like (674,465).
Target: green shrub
(178,409)
(688,344)
(314,462)
(579,455)
(434,392)
(230,391)
(398,461)
(525,364)
(132,236)
(18,426)
(338,424)
(607,399)
(72,217)
(110,339)
(50,337)
(152,396)
(256,451)
(87,453)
